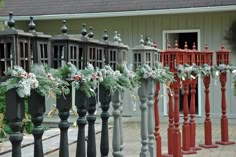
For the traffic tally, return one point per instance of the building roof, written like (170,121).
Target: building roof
(57,7)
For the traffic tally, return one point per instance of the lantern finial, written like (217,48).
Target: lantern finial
(83,30)
(90,34)
(32,24)
(176,44)
(141,41)
(194,46)
(149,42)
(115,38)
(222,46)
(64,28)
(155,44)
(168,45)
(185,45)
(119,39)
(206,47)
(105,36)
(11,21)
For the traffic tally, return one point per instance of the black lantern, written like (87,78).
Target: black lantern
(40,45)
(66,48)
(15,47)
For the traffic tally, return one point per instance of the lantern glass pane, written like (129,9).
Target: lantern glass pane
(2,52)
(8,51)
(2,68)
(26,50)
(21,50)
(45,51)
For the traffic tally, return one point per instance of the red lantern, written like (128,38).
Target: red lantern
(222,56)
(190,57)
(173,57)
(206,56)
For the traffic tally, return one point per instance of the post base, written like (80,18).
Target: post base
(177,144)
(208,145)
(186,152)
(166,155)
(225,142)
(195,148)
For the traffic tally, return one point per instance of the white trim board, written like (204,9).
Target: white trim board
(126,13)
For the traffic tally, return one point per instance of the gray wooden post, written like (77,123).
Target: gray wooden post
(115,98)
(120,120)
(144,126)
(150,96)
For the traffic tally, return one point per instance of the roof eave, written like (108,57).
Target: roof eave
(127,13)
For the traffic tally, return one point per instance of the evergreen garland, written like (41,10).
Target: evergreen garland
(126,79)
(109,78)
(163,75)
(86,80)
(47,82)
(234,83)
(159,73)
(37,79)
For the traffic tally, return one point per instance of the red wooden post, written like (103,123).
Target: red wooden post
(192,116)
(222,56)
(206,82)
(195,59)
(177,135)
(170,130)
(171,58)
(207,123)
(186,126)
(157,122)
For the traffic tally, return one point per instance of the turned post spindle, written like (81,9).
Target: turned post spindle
(15,112)
(105,99)
(64,104)
(120,121)
(157,121)
(186,127)
(81,101)
(36,104)
(224,119)
(171,127)
(116,98)
(177,135)
(91,118)
(192,123)
(144,125)
(150,102)
(207,122)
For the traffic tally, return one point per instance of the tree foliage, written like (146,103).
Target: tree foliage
(230,36)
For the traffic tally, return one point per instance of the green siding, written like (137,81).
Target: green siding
(211,25)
